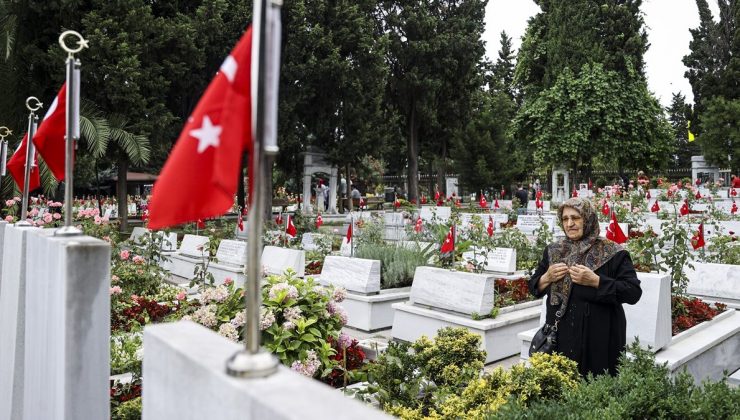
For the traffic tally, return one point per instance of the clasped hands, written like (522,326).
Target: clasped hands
(580,274)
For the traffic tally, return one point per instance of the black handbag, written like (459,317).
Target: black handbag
(546,338)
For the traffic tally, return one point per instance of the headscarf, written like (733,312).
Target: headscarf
(590,250)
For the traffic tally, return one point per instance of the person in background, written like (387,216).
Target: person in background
(523,197)
(590,277)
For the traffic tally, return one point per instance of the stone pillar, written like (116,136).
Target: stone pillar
(306,204)
(13,321)
(333,191)
(67,337)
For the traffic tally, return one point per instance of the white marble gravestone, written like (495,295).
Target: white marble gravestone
(138,234)
(501,260)
(528,224)
(456,291)
(717,282)
(443,213)
(354,274)
(193,246)
(276,260)
(232,252)
(532,205)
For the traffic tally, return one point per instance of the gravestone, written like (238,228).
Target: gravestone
(717,282)
(456,291)
(276,260)
(502,260)
(138,234)
(354,274)
(232,252)
(529,223)
(193,246)
(443,213)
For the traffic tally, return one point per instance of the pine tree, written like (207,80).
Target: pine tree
(679,113)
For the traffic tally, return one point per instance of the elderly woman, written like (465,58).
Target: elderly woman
(591,277)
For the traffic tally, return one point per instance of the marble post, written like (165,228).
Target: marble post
(333,191)
(306,204)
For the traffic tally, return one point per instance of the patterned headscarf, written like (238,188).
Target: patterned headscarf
(591,250)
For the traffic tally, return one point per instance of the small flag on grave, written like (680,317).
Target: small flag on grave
(697,241)
(419,224)
(489,229)
(319,221)
(614,232)
(290,229)
(655,208)
(448,246)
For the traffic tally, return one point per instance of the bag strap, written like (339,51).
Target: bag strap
(560,313)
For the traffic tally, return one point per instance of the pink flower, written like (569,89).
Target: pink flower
(10,203)
(47,218)
(138,259)
(125,254)
(115,290)
(181,295)
(16,198)
(9,219)
(34,212)
(228,281)
(114,278)
(98,220)
(56,216)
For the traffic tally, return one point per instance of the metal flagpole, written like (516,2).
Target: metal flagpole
(72,134)
(253,361)
(4,132)
(352,237)
(33,121)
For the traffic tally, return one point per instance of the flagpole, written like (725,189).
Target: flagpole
(253,361)
(33,121)
(72,134)
(352,237)
(4,132)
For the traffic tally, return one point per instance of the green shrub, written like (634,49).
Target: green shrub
(397,264)
(128,410)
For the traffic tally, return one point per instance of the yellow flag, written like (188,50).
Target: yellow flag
(691,135)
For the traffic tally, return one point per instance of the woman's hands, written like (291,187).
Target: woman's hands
(580,274)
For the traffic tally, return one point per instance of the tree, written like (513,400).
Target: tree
(585,98)
(434,58)
(503,70)
(679,113)
(714,68)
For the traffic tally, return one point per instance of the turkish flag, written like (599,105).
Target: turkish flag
(240,222)
(647,195)
(17,164)
(489,229)
(614,232)
(49,138)
(684,208)
(482,203)
(698,195)
(200,224)
(697,241)
(590,184)
(290,229)
(605,209)
(448,246)
(418,226)
(349,232)
(436,196)
(396,202)
(656,207)
(423,199)
(495,204)
(733,192)
(362,203)
(733,210)
(199,179)
(319,221)
(539,204)
(539,194)
(575,193)
(279,219)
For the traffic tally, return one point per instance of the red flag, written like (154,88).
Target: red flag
(17,164)
(697,241)
(199,178)
(448,246)
(436,195)
(319,221)
(457,203)
(656,207)
(614,232)
(605,209)
(733,192)
(396,202)
(489,229)
(698,181)
(590,184)
(575,193)
(423,199)
(684,208)
(240,222)
(200,224)
(418,226)
(698,195)
(144,215)
(647,195)
(290,229)
(733,210)
(482,202)
(539,194)
(362,203)
(279,219)
(495,204)
(539,203)
(49,138)
(349,232)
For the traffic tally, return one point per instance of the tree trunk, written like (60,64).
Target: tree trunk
(413,155)
(122,195)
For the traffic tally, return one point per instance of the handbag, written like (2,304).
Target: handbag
(546,338)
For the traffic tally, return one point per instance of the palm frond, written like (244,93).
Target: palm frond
(48,182)
(94,129)
(8,27)
(136,146)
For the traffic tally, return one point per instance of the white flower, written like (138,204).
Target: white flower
(292,314)
(339,294)
(229,331)
(266,319)
(239,319)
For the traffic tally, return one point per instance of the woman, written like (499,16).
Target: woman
(594,276)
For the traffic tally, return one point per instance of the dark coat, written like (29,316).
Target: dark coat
(593,330)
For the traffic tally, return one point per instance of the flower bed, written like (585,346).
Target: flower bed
(690,311)
(511,292)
